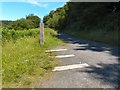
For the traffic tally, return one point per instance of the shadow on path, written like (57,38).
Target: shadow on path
(109,73)
(91,45)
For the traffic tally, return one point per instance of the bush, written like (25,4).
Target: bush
(8,35)
(31,21)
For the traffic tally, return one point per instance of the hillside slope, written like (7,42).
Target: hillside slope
(93,21)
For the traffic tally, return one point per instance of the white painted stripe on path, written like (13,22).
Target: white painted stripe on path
(74,66)
(56,50)
(64,56)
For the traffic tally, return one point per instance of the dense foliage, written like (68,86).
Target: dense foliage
(87,20)
(31,21)
(5,22)
(8,35)
(35,20)
(56,19)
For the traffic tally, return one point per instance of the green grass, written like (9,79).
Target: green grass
(25,59)
(110,37)
(8,35)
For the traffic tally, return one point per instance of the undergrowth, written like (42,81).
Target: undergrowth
(24,59)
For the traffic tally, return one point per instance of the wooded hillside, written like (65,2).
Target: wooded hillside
(87,20)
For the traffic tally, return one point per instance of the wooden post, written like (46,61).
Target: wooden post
(42,33)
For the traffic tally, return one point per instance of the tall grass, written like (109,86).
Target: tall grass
(25,59)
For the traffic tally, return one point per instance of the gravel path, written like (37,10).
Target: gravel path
(103,71)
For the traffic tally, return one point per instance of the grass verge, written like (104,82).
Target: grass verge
(110,37)
(25,60)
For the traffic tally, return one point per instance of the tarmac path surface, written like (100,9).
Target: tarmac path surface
(103,70)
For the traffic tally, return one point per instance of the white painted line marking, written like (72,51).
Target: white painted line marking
(56,50)
(74,66)
(64,56)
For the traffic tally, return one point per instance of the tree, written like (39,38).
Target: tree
(34,19)
(21,24)
(45,19)
(31,21)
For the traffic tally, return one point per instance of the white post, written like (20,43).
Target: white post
(42,33)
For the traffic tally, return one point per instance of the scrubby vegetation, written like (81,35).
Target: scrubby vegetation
(11,35)
(85,20)
(31,21)
(24,60)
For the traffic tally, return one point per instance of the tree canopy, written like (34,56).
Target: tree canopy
(31,21)
(82,15)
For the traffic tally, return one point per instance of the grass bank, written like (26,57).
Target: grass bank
(24,60)
(110,37)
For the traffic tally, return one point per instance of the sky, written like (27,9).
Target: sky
(17,10)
